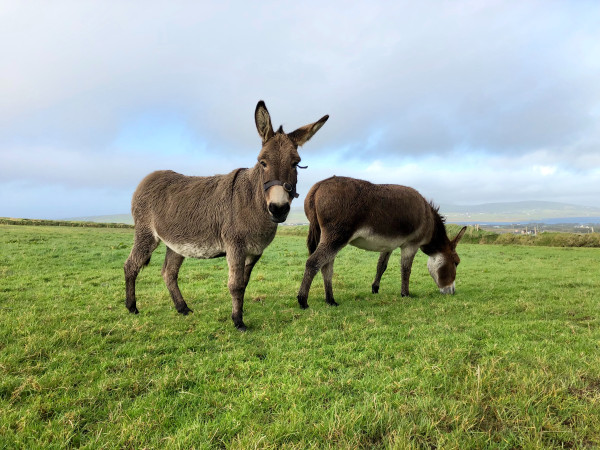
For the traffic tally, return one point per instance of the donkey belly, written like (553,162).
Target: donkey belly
(366,239)
(204,250)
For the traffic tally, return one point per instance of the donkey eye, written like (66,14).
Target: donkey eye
(264,164)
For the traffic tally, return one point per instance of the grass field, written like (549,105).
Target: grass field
(511,360)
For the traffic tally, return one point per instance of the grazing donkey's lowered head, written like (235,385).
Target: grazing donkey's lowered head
(443,259)
(233,215)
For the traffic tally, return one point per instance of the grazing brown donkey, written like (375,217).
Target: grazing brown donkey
(379,218)
(233,215)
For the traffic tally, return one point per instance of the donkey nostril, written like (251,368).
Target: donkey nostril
(279,210)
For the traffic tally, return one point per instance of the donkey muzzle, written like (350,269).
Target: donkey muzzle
(278,200)
(279,212)
(448,289)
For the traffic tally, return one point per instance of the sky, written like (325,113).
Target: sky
(467,101)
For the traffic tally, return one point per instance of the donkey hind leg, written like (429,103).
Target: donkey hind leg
(144,244)
(327,272)
(382,263)
(170,272)
(237,286)
(324,254)
(406,261)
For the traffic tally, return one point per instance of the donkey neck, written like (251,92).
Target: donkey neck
(250,182)
(439,239)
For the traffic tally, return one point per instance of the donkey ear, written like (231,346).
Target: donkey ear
(459,236)
(263,122)
(303,134)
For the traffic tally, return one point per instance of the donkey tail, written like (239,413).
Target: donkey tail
(314,236)
(314,230)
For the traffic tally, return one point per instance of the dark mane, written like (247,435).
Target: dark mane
(439,237)
(436,211)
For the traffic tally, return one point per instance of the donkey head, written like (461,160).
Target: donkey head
(278,160)
(442,265)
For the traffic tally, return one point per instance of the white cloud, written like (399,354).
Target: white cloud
(545,170)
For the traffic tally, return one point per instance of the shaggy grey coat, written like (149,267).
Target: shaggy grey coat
(233,215)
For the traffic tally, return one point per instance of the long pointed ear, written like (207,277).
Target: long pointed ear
(459,236)
(263,122)
(303,134)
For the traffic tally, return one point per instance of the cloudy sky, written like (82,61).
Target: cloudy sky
(467,101)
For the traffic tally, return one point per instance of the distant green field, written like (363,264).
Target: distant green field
(511,360)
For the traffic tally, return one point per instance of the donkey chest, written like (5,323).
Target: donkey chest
(367,239)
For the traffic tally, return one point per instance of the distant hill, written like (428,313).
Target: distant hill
(527,211)
(112,218)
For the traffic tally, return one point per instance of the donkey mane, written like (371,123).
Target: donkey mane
(235,175)
(439,237)
(436,211)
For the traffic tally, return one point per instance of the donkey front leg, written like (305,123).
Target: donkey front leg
(170,272)
(237,287)
(251,261)
(406,261)
(382,263)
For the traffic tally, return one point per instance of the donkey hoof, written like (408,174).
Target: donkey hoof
(405,294)
(132,309)
(302,302)
(332,303)
(241,327)
(375,289)
(185,311)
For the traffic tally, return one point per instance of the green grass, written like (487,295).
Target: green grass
(511,360)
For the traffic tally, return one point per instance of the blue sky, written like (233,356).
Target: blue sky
(467,101)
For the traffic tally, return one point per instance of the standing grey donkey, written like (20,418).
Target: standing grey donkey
(233,215)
